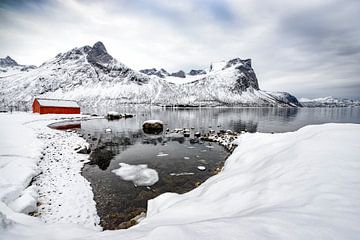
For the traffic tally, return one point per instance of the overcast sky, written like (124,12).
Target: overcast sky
(310,48)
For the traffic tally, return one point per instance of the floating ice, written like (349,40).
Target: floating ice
(161,154)
(181,174)
(140,174)
(201,168)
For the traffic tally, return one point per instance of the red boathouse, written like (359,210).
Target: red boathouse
(57,106)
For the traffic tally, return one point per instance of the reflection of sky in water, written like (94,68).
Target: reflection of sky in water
(237,119)
(175,158)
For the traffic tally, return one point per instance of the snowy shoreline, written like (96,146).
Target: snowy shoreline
(296,185)
(51,186)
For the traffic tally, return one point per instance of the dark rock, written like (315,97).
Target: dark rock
(237,61)
(180,74)
(98,54)
(84,150)
(162,73)
(8,62)
(153,127)
(196,72)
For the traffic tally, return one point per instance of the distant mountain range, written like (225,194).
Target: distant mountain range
(328,102)
(9,66)
(92,76)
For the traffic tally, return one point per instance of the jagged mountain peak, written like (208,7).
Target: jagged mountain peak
(100,47)
(91,75)
(221,65)
(98,54)
(162,73)
(8,62)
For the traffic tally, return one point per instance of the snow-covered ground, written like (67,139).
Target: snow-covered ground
(296,185)
(30,151)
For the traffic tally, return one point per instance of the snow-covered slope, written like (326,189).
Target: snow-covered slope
(92,76)
(9,66)
(296,185)
(328,102)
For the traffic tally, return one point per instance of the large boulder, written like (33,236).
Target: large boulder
(153,126)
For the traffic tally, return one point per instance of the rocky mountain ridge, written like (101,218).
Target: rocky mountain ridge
(329,102)
(9,66)
(93,77)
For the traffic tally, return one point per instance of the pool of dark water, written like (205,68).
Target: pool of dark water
(176,158)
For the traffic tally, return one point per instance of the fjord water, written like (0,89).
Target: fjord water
(253,119)
(176,158)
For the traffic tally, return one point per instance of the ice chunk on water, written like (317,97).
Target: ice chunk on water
(201,168)
(140,174)
(161,154)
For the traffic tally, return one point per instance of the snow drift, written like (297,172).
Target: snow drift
(296,185)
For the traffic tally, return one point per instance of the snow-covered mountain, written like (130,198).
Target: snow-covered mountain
(92,76)
(9,66)
(329,102)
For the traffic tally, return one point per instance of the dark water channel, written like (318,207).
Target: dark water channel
(174,157)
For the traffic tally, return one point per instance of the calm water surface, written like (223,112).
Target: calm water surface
(118,201)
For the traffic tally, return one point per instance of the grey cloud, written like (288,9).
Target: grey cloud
(308,47)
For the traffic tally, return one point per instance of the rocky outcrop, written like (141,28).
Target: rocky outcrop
(162,73)
(98,54)
(8,62)
(196,72)
(180,74)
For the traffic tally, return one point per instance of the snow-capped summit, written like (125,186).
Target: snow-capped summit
(8,62)
(93,77)
(9,66)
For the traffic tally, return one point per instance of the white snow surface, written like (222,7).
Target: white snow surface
(140,174)
(30,151)
(57,103)
(296,185)
(153,122)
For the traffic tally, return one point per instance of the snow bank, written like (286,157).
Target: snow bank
(140,174)
(297,185)
(27,148)
(18,158)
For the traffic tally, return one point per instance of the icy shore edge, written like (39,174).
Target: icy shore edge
(297,185)
(40,172)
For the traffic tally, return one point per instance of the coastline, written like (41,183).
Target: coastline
(264,185)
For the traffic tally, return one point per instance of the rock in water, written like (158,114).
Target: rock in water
(113,115)
(153,126)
